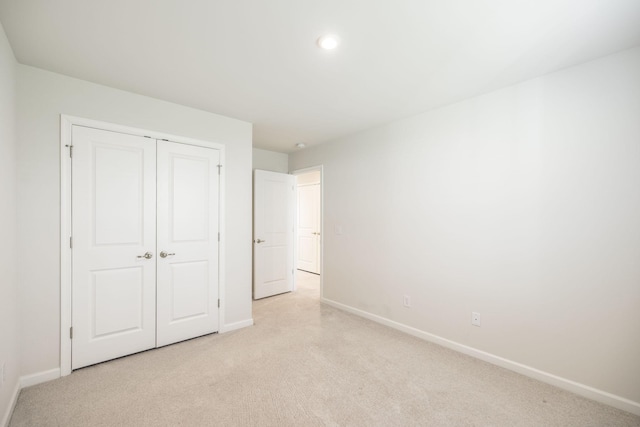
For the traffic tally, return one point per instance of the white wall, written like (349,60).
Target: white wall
(522,204)
(42,97)
(308,178)
(9,317)
(270,161)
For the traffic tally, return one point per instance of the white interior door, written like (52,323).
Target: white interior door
(188,186)
(114,226)
(309,228)
(145,254)
(273,231)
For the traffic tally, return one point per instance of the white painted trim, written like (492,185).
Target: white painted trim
(300,172)
(65,251)
(39,377)
(12,405)
(66,123)
(27,381)
(563,383)
(222,244)
(294,285)
(236,325)
(96,124)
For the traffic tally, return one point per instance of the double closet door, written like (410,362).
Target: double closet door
(144,243)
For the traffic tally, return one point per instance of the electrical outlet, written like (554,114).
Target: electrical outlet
(406,301)
(475,318)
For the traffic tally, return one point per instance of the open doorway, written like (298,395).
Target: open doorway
(309,227)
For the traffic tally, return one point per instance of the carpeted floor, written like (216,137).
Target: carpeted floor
(305,364)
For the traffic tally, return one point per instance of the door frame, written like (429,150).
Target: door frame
(302,171)
(66,123)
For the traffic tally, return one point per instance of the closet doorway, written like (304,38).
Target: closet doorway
(142,215)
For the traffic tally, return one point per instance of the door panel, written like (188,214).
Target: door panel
(119,292)
(113,205)
(188,190)
(309,228)
(117,178)
(274,202)
(189,290)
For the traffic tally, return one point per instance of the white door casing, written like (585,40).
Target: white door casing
(187,280)
(114,225)
(274,208)
(309,228)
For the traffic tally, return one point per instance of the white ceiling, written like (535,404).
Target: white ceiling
(256,60)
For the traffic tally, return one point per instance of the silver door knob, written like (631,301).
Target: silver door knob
(164,254)
(260,241)
(147,255)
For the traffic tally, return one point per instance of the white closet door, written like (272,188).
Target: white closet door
(188,189)
(114,225)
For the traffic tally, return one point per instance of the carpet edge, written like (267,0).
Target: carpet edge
(583,390)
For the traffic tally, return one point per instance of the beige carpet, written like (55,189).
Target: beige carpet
(305,364)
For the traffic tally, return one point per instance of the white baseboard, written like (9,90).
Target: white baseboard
(39,377)
(12,404)
(563,383)
(236,325)
(27,381)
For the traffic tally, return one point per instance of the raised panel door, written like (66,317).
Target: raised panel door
(188,194)
(113,283)
(274,203)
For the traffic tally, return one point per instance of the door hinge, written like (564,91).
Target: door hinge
(219,168)
(70,150)
(71,332)
(218,302)
(70,242)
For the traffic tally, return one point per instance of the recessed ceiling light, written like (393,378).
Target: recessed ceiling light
(328,41)
(300,145)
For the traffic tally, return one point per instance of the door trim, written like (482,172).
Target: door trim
(297,172)
(66,122)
